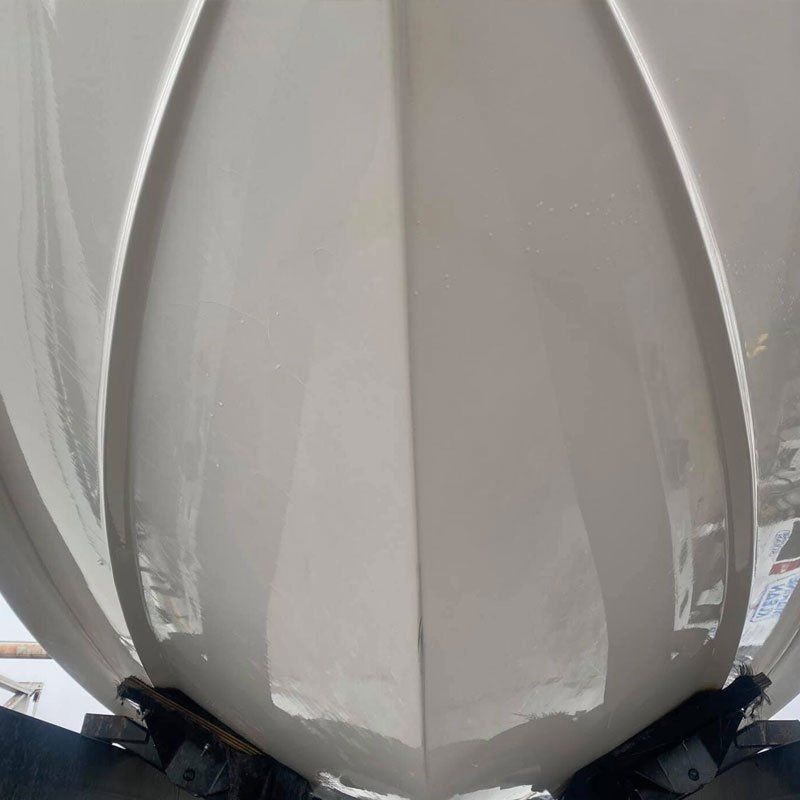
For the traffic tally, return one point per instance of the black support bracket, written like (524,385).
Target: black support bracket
(686,751)
(194,750)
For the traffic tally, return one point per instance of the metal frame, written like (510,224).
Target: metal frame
(24,695)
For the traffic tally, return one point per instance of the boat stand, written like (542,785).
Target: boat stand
(177,752)
(771,775)
(712,747)
(195,751)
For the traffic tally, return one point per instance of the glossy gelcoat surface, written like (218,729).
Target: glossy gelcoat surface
(77,86)
(421,365)
(728,92)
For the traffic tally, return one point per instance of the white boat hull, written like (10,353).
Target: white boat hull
(408,383)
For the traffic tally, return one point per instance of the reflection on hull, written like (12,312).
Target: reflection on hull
(403,381)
